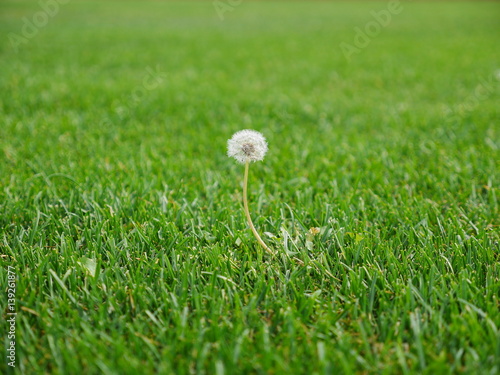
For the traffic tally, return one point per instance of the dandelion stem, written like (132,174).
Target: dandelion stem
(245,204)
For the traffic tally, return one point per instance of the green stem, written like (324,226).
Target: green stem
(247,213)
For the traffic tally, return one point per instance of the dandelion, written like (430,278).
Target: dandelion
(248,146)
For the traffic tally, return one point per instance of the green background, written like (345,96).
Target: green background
(122,214)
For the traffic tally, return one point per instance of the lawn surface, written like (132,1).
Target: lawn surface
(121,214)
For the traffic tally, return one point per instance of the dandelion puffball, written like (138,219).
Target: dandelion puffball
(247,145)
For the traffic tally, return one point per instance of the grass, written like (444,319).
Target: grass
(122,215)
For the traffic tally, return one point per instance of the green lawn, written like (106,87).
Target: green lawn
(121,214)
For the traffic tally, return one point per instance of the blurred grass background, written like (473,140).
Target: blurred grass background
(122,213)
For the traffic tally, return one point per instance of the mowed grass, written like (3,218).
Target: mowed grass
(122,215)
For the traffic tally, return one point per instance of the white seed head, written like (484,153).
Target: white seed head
(247,145)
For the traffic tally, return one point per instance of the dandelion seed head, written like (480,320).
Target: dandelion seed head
(247,145)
